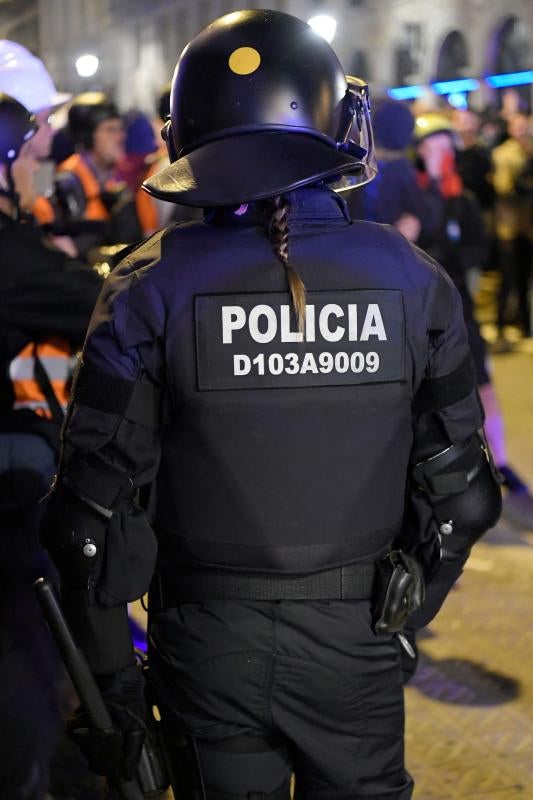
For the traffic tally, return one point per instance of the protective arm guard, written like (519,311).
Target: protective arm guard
(462,486)
(85,498)
(74,532)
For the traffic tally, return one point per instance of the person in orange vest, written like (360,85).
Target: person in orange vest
(86,185)
(47,299)
(161,212)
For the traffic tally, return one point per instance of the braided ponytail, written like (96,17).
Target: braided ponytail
(278,231)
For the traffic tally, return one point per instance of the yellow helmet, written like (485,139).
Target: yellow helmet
(431,123)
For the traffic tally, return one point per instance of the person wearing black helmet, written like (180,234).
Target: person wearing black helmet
(86,186)
(317,449)
(47,299)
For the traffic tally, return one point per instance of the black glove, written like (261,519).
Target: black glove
(114,753)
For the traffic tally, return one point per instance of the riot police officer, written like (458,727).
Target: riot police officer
(320,410)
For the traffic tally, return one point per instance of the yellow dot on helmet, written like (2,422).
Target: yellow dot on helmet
(244,60)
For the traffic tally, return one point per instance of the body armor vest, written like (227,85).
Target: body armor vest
(288,452)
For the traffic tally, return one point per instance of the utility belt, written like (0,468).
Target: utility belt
(394,584)
(171,587)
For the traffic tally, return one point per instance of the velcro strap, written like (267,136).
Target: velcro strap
(133,400)
(282,793)
(437,393)
(451,483)
(453,470)
(353,582)
(144,405)
(97,483)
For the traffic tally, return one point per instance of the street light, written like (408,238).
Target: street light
(87,65)
(324,25)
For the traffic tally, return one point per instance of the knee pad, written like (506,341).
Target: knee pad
(239,768)
(245,768)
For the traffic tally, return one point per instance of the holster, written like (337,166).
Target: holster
(399,589)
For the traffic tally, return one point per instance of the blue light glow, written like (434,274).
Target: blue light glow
(452,87)
(510,79)
(406,92)
(458,100)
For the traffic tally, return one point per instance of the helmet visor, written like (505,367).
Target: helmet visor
(357,137)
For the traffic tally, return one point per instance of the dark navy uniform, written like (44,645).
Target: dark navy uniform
(319,409)
(280,456)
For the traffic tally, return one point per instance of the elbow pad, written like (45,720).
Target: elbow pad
(462,485)
(77,517)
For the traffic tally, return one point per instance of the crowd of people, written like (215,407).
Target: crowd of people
(458,185)
(455,183)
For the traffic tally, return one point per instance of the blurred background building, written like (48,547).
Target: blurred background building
(390,42)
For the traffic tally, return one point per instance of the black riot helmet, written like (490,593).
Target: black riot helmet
(17,125)
(260,105)
(87,112)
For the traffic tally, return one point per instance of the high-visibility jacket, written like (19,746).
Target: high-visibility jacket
(43,211)
(147,213)
(95,208)
(31,385)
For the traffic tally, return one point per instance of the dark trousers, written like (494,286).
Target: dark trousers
(515,265)
(309,676)
(30,717)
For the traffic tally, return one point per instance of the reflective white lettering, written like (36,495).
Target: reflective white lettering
(293,364)
(309,364)
(330,309)
(241,365)
(253,324)
(275,364)
(326,362)
(289,363)
(357,362)
(352,322)
(373,324)
(286,334)
(233,319)
(372,362)
(342,363)
(310,324)
(259,361)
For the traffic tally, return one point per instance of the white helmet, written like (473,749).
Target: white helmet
(24,77)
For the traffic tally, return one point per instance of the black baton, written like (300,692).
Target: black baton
(87,689)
